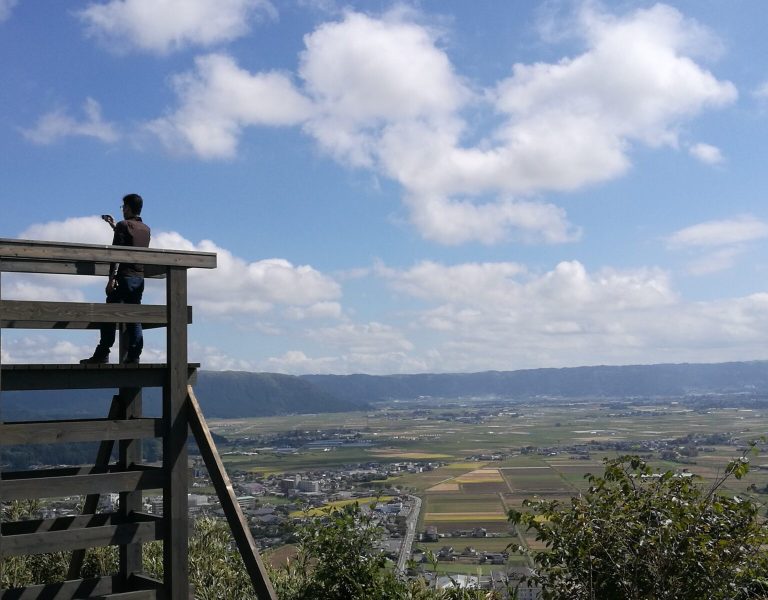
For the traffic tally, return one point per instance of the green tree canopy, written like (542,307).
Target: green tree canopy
(637,534)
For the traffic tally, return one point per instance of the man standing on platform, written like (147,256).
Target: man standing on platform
(126,281)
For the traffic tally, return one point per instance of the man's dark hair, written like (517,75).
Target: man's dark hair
(134,202)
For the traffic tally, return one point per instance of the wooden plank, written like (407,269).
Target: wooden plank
(18,314)
(134,595)
(175,545)
(72,533)
(68,252)
(85,430)
(63,325)
(74,377)
(65,590)
(101,587)
(59,523)
(56,483)
(20,265)
(221,482)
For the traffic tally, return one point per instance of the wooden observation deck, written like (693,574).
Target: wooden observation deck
(128,527)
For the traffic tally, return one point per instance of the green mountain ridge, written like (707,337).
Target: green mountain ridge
(240,394)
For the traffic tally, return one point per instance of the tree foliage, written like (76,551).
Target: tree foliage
(337,560)
(637,534)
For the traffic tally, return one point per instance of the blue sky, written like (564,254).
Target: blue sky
(399,187)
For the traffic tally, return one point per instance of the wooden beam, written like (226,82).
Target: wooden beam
(68,252)
(80,377)
(85,430)
(56,483)
(221,482)
(20,265)
(64,590)
(175,464)
(72,533)
(27,314)
(110,586)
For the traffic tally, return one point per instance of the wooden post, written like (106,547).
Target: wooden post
(175,511)
(130,454)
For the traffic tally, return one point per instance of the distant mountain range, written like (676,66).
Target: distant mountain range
(231,394)
(575,382)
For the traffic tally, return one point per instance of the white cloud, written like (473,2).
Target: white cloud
(84,230)
(219,99)
(380,93)
(237,286)
(503,286)
(319,310)
(745,228)
(362,339)
(56,125)
(502,316)
(296,362)
(722,242)
(366,73)
(214,359)
(6,7)
(706,153)
(60,288)
(714,262)
(161,26)
(457,222)
(48,288)
(42,349)
(571,122)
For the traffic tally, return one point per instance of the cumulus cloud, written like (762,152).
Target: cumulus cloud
(457,221)
(366,73)
(6,7)
(371,347)
(83,230)
(219,99)
(502,316)
(235,287)
(162,26)
(41,349)
(706,153)
(572,122)
(380,93)
(238,286)
(58,124)
(761,92)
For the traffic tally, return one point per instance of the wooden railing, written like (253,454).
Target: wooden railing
(128,528)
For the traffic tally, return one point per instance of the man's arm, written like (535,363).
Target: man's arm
(120,238)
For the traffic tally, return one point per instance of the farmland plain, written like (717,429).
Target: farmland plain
(489,456)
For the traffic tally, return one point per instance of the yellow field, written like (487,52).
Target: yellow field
(409,455)
(465,516)
(480,476)
(445,487)
(459,466)
(339,503)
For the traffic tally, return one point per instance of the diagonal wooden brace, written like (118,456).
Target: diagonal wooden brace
(221,482)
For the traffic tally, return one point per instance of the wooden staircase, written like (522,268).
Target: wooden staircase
(128,527)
